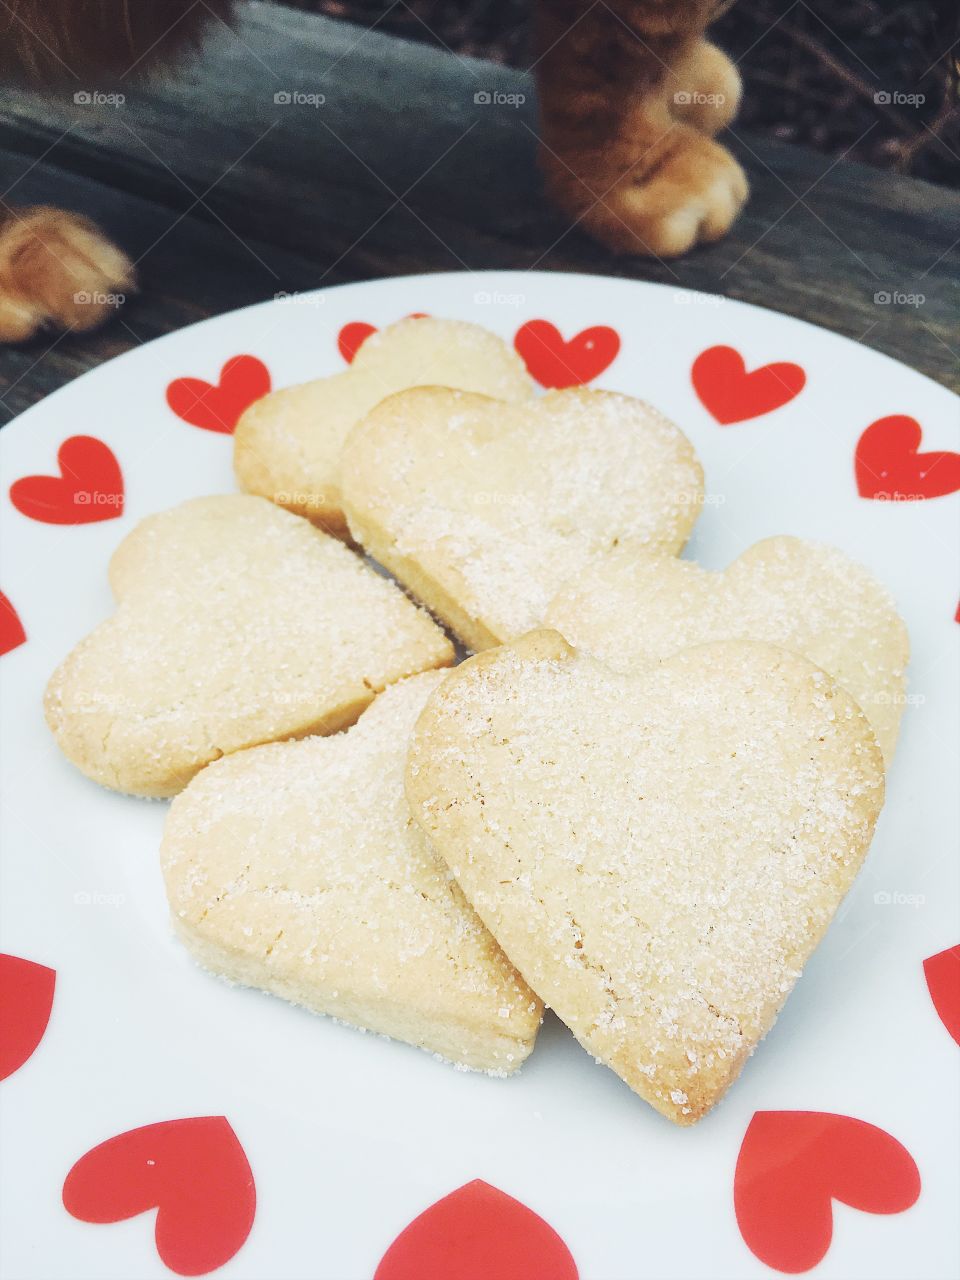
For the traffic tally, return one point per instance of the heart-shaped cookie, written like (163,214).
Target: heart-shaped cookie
(657,853)
(296,867)
(287,445)
(237,623)
(630,608)
(482,508)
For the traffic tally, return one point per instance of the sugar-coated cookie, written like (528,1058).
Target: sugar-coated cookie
(658,853)
(287,445)
(296,867)
(628,608)
(482,509)
(237,623)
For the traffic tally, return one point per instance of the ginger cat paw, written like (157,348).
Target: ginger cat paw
(631,95)
(705,89)
(57,270)
(683,191)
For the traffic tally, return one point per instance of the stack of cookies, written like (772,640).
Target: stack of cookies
(640,803)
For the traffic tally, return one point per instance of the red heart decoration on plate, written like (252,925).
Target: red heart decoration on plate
(556,362)
(793,1164)
(353,335)
(477,1233)
(731,394)
(89,487)
(942,973)
(193,1172)
(218,406)
(12,634)
(889,468)
(26,998)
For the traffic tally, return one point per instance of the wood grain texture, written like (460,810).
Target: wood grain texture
(227,196)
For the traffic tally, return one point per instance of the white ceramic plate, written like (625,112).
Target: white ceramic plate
(350,1137)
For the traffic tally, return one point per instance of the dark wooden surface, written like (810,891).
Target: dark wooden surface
(226,196)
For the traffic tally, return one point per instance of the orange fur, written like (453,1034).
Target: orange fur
(57,270)
(631,96)
(46,42)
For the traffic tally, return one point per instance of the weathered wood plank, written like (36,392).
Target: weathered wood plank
(188,269)
(400,170)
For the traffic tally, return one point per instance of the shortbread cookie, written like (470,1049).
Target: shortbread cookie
(482,509)
(658,853)
(287,445)
(628,608)
(237,623)
(296,867)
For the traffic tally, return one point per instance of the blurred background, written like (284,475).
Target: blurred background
(876,79)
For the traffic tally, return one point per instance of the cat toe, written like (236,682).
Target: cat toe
(704,89)
(57,271)
(693,195)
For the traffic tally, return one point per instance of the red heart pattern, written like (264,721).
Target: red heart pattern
(557,362)
(942,973)
(217,406)
(477,1233)
(731,394)
(193,1172)
(89,487)
(353,335)
(26,999)
(889,467)
(12,634)
(793,1164)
